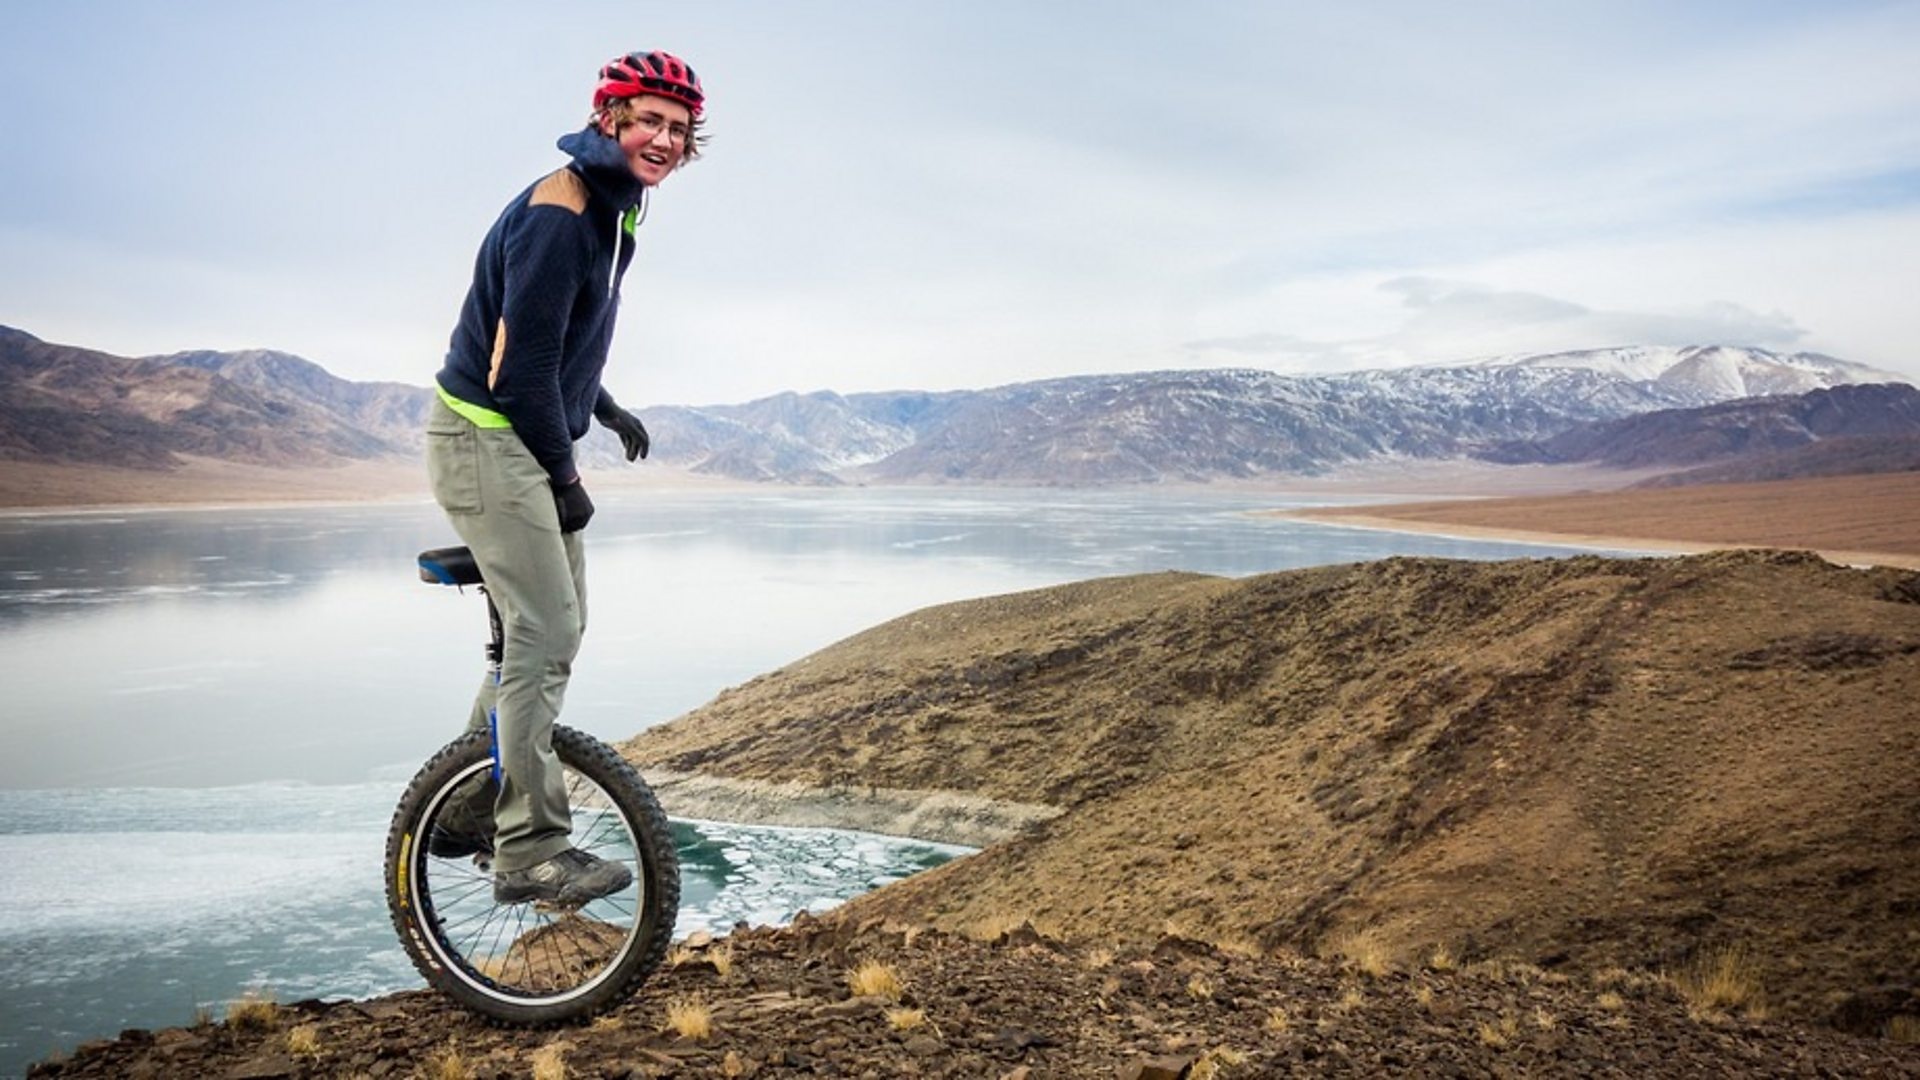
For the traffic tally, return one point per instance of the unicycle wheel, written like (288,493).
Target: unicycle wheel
(527,963)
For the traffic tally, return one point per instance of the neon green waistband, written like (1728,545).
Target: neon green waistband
(479,415)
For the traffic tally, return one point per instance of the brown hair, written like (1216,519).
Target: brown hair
(621,110)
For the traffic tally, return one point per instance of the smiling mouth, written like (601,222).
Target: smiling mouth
(654,159)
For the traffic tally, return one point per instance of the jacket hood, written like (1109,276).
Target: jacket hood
(600,163)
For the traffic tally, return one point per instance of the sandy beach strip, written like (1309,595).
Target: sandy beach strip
(1856,520)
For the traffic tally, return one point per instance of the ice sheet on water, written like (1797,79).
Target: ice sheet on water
(930,541)
(221,885)
(766,874)
(252,808)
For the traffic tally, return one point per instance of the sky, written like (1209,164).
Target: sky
(934,195)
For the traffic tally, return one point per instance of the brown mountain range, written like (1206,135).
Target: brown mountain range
(224,425)
(62,405)
(1581,763)
(1854,425)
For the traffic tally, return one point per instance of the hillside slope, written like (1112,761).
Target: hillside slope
(1581,763)
(1748,427)
(63,405)
(1851,455)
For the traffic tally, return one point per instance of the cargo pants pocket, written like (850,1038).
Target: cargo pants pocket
(453,461)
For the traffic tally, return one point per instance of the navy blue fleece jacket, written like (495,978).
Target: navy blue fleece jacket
(533,334)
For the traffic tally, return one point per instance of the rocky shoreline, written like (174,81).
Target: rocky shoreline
(1017,1005)
(941,817)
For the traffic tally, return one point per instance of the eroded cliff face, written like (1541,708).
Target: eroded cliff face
(1582,763)
(947,817)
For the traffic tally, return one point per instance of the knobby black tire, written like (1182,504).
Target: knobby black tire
(463,942)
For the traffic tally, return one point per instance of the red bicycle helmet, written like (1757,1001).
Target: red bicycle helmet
(649,73)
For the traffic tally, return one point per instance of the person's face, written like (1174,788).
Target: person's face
(655,138)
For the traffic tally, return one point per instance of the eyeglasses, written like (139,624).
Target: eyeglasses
(652,124)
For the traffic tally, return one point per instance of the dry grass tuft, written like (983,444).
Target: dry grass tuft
(1423,997)
(1612,978)
(1097,959)
(1278,1021)
(995,927)
(254,1011)
(1200,988)
(689,1018)
(1610,1001)
(1499,1034)
(550,1062)
(1441,959)
(1633,984)
(906,1019)
(1545,1020)
(449,1064)
(1362,950)
(1524,972)
(1904,1029)
(1352,999)
(1215,1061)
(733,1065)
(304,1041)
(1240,945)
(1493,969)
(721,957)
(608,1023)
(1727,978)
(875,979)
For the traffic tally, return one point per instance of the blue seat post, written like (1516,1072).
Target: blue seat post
(496,653)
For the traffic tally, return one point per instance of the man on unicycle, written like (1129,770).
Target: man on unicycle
(521,384)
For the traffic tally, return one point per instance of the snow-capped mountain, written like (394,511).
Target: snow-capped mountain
(1709,373)
(60,403)
(1241,424)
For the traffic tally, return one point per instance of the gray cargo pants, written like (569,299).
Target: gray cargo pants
(500,502)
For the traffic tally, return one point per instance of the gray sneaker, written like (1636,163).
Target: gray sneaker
(569,879)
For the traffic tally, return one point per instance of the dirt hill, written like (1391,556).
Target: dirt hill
(1495,799)
(1581,763)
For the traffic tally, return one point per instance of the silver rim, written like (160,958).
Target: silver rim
(519,953)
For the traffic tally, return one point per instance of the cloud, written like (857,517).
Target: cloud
(1445,320)
(1466,305)
(1318,189)
(1466,312)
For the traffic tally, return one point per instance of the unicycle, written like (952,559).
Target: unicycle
(526,963)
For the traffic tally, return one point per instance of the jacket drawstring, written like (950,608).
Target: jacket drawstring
(627,222)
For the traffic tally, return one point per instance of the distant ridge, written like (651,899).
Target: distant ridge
(67,405)
(1844,456)
(62,404)
(1745,427)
